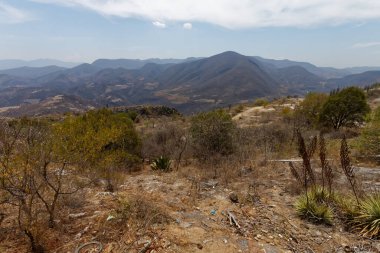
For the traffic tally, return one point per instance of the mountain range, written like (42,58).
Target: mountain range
(190,85)
(12,63)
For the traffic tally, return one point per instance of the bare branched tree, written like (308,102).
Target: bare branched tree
(31,175)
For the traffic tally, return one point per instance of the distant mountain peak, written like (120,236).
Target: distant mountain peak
(229,54)
(190,85)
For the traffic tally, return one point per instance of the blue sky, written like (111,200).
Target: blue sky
(339,33)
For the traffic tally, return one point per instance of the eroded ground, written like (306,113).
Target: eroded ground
(196,217)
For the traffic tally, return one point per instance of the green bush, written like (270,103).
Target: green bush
(347,107)
(367,222)
(309,110)
(100,141)
(370,137)
(261,102)
(161,163)
(212,134)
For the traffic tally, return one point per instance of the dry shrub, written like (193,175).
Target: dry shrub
(73,201)
(294,188)
(142,212)
(343,132)
(272,139)
(167,140)
(229,169)
(244,141)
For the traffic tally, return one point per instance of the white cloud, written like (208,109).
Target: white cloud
(12,15)
(366,44)
(159,24)
(237,13)
(187,26)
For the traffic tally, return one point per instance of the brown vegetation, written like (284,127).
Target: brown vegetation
(227,187)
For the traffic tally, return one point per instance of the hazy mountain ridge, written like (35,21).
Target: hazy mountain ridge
(190,85)
(31,72)
(323,72)
(136,63)
(14,63)
(362,79)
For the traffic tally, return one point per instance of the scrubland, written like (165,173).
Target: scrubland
(269,176)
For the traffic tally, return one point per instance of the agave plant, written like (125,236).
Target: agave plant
(314,206)
(367,222)
(161,163)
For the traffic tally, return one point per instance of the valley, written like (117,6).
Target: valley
(190,85)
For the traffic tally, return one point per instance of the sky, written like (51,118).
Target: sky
(337,33)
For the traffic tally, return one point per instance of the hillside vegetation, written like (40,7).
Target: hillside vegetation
(266,176)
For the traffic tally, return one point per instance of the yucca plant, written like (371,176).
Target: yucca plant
(320,195)
(346,208)
(305,175)
(311,207)
(161,163)
(367,222)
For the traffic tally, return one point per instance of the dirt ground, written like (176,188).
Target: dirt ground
(197,209)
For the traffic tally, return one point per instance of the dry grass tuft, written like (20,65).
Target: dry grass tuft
(142,212)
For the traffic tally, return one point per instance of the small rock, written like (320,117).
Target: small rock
(104,194)
(271,249)
(143,242)
(76,215)
(211,184)
(185,224)
(110,217)
(166,243)
(245,171)
(234,197)
(243,244)
(199,246)
(347,249)
(78,236)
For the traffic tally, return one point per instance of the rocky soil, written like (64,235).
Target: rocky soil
(199,211)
